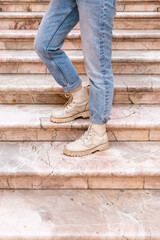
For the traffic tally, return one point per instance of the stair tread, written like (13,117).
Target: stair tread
(128,116)
(43,159)
(27,83)
(122,15)
(75,33)
(77,56)
(77,214)
(137,15)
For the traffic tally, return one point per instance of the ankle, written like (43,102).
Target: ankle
(80,94)
(99,128)
(77,89)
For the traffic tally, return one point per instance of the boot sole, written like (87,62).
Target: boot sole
(69,119)
(101,147)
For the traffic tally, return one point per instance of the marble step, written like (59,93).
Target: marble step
(123,20)
(38,89)
(30,122)
(138,5)
(80,214)
(41,6)
(42,165)
(122,39)
(124,62)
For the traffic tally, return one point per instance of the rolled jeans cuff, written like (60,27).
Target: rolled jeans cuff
(73,86)
(97,121)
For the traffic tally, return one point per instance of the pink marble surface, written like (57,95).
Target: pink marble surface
(145,6)
(130,159)
(31,20)
(24,6)
(139,68)
(76,56)
(42,165)
(37,116)
(133,15)
(75,33)
(27,61)
(122,116)
(126,6)
(27,83)
(33,83)
(19,15)
(90,215)
(155,135)
(136,23)
(19,67)
(23,88)
(139,98)
(136,34)
(152,183)
(122,39)
(138,15)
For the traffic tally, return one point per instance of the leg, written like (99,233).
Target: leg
(96,24)
(60,17)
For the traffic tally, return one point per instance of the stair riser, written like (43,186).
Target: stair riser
(51,98)
(25,7)
(35,98)
(51,134)
(20,23)
(138,44)
(137,98)
(118,67)
(49,182)
(142,44)
(33,23)
(141,24)
(27,44)
(34,162)
(138,7)
(36,7)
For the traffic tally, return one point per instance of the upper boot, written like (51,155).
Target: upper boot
(77,106)
(94,139)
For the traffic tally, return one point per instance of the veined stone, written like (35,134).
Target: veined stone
(123,20)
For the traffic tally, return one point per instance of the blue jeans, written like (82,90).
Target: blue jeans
(96,24)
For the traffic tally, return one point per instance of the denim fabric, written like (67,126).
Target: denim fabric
(96,24)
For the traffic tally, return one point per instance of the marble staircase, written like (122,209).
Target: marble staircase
(80,214)
(122,39)
(110,195)
(123,20)
(41,5)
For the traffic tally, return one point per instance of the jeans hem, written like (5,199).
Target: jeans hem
(73,86)
(97,121)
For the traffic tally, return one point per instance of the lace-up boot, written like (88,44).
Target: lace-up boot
(94,139)
(76,106)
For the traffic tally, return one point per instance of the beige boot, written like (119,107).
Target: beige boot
(77,106)
(94,139)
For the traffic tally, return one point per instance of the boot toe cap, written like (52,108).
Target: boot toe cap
(57,113)
(74,146)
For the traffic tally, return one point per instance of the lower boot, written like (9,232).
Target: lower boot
(94,139)
(77,106)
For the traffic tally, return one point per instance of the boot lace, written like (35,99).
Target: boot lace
(70,101)
(87,135)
